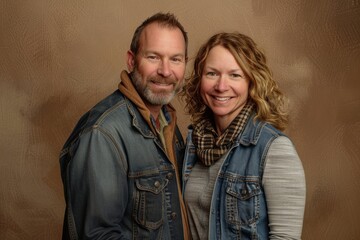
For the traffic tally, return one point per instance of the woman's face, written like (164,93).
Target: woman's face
(224,87)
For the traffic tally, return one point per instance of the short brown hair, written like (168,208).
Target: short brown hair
(163,19)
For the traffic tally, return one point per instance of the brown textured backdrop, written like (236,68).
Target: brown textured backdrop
(58,58)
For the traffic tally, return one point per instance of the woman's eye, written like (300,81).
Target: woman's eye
(236,76)
(211,74)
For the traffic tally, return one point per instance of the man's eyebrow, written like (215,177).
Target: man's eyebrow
(179,55)
(160,54)
(149,52)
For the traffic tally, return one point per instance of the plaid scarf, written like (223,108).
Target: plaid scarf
(209,146)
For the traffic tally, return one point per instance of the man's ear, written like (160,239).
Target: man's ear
(130,60)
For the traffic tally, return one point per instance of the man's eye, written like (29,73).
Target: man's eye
(152,57)
(177,59)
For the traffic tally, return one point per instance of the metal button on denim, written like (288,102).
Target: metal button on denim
(244,192)
(173,215)
(157,184)
(169,175)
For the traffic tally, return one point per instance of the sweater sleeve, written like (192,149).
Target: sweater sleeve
(285,190)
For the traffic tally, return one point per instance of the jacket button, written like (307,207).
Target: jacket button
(157,184)
(169,175)
(173,215)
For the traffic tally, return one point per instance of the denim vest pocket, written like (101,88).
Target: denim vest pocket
(149,207)
(242,202)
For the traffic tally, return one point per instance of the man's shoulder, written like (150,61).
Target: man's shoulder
(103,108)
(101,112)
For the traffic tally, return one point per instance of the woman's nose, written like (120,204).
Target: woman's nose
(221,84)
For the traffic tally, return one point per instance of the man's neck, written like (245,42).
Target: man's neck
(154,110)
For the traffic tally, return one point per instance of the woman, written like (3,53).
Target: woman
(242,176)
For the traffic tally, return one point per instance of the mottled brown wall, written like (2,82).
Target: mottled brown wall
(58,58)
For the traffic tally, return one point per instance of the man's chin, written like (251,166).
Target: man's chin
(160,98)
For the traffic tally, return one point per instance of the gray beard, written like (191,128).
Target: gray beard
(147,94)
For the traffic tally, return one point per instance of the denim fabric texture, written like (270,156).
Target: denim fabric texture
(118,180)
(238,204)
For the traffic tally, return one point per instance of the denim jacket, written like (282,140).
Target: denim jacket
(238,206)
(119,183)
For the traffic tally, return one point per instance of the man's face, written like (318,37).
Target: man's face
(158,68)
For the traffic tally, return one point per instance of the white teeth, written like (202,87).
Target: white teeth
(162,84)
(222,98)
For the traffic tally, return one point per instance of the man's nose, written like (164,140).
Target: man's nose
(164,68)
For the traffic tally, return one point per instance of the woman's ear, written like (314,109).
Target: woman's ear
(130,60)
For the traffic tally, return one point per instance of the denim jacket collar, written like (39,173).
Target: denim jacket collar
(127,88)
(251,132)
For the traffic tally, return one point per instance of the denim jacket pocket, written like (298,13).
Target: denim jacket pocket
(149,207)
(242,202)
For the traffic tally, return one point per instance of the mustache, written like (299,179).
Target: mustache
(162,80)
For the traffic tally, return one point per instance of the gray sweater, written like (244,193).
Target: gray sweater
(284,186)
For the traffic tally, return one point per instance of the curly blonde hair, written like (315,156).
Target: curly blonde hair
(263,90)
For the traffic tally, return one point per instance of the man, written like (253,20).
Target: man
(120,166)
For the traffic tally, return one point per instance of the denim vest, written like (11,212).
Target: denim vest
(118,180)
(238,206)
